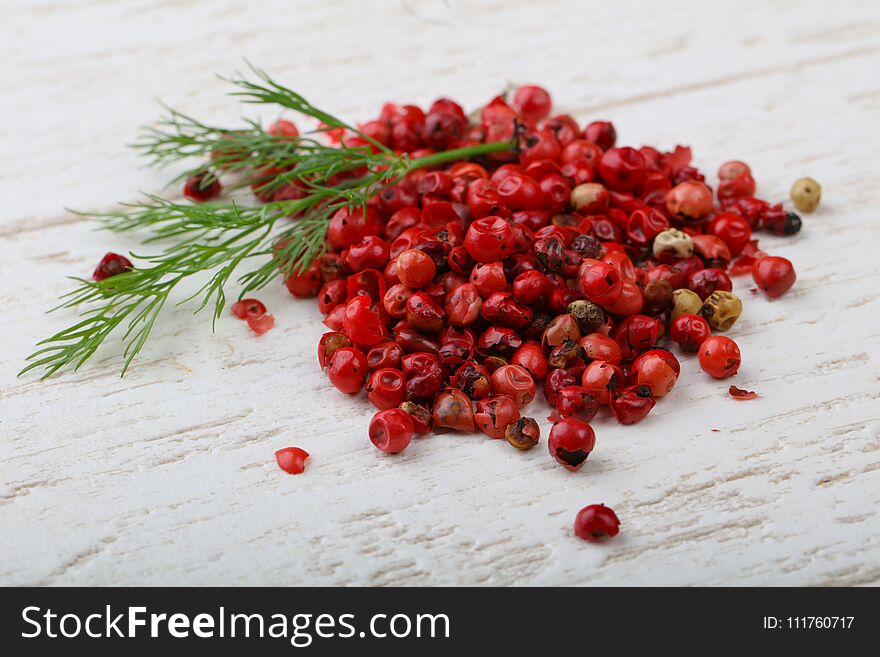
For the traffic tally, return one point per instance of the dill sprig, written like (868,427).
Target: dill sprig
(214,239)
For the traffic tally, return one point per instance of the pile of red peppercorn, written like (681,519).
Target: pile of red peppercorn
(458,292)
(568,264)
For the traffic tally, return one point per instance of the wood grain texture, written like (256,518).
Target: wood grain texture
(167,476)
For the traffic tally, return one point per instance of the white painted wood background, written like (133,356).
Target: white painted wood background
(167,476)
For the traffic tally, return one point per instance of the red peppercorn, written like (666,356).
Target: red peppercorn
(530,356)
(601,133)
(261,324)
(112,264)
(732,229)
(292,459)
(348,369)
(532,102)
(362,321)
(332,294)
(600,378)
(385,354)
(391,430)
(598,346)
(632,404)
(502,309)
(712,250)
(622,169)
(596,522)
(305,284)
(689,331)
(248,308)
(520,192)
(202,187)
(495,413)
(424,375)
(386,388)
(577,401)
(571,441)
(733,169)
(531,288)
(415,268)
(658,369)
(636,333)
(489,239)
(644,225)
(774,275)
(489,278)
(705,281)
(719,356)
(453,409)
(282,128)
(370,253)
(328,344)
(515,382)
(690,200)
(628,303)
(599,282)
(350,226)
(423,313)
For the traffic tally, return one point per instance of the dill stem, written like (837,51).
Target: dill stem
(463,153)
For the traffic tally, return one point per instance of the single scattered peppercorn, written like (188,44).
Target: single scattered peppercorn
(719,357)
(806,194)
(391,430)
(292,460)
(774,275)
(632,404)
(112,264)
(571,441)
(596,522)
(523,434)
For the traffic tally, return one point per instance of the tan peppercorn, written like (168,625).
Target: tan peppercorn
(591,197)
(523,434)
(721,309)
(806,194)
(589,316)
(673,241)
(685,302)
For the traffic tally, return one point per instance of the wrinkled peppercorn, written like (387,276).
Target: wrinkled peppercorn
(589,316)
(721,309)
(523,434)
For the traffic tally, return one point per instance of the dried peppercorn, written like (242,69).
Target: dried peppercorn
(453,409)
(523,434)
(774,275)
(806,194)
(632,404)
(571,441)
(495,413)
(721,309)
(589,316)
(685,302)
(596,522)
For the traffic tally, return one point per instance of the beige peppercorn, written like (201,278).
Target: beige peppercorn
(721,309)
(685,302)
(673,242)
(806,194)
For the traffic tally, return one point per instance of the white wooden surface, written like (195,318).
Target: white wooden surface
(167,476)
